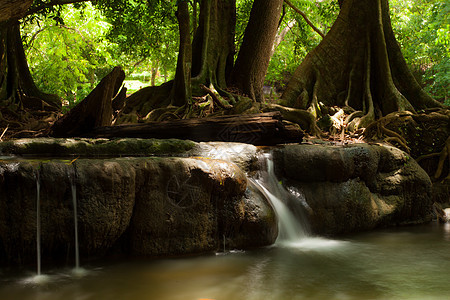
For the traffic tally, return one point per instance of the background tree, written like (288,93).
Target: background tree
(358,64)
(212,61)
(423,31)
(68,56)
(254,55)
(17,87)
(300,39)
(145,32)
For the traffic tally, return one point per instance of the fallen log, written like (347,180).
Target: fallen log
(256,129)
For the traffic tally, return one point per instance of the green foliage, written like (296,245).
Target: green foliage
(146,32)
(423,30)
(243,9)
(66,58)
(71,47)
(301,39)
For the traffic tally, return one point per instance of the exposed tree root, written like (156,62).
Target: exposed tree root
(216,97)
(397,140)
(427,156)
(377,130)
(304,118)
(3,133)
(426,135)
(20,122)
(444,155)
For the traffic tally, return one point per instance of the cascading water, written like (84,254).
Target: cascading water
(291,228)
(38,222)
(38,278)
(289,206)
(77,271)
(75,218)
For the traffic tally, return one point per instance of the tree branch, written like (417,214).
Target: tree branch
(305,17)
(13,9)
(281,34)
(51,4)
(214,97)
(83,37)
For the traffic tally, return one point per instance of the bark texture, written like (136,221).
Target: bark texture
(358,64)
(254,55)
(256,129)
(213,45)
(181,90)
(13,9)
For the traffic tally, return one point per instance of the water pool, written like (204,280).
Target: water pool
(399,263)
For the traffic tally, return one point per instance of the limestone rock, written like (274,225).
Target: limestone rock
(244,155)
(356,187)
(154,206)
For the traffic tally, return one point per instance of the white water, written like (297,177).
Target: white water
(75,218)
(290,228)
(38,223)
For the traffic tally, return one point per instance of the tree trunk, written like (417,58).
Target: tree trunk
(16,84)
(181,91)
(213,45)
(358,64)
(254,55)
(155,69)
(212,60)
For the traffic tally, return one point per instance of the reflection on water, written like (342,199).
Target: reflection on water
(402,263)
(447,232)
(313,244)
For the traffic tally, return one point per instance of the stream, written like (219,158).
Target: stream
(399,263)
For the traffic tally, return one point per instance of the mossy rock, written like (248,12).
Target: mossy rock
(52,147)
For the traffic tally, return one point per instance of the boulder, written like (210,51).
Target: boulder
(356,187)
(153,206)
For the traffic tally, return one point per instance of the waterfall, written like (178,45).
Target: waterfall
(75,217)
(38,223)
(38,278)
(291,228)
(77,271)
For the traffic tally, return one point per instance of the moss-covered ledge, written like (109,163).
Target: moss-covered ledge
(51,147)
(243,155)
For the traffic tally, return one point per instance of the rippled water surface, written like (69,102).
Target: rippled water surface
(402,263)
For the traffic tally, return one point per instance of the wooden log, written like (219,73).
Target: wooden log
(94,111)
(257,129)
